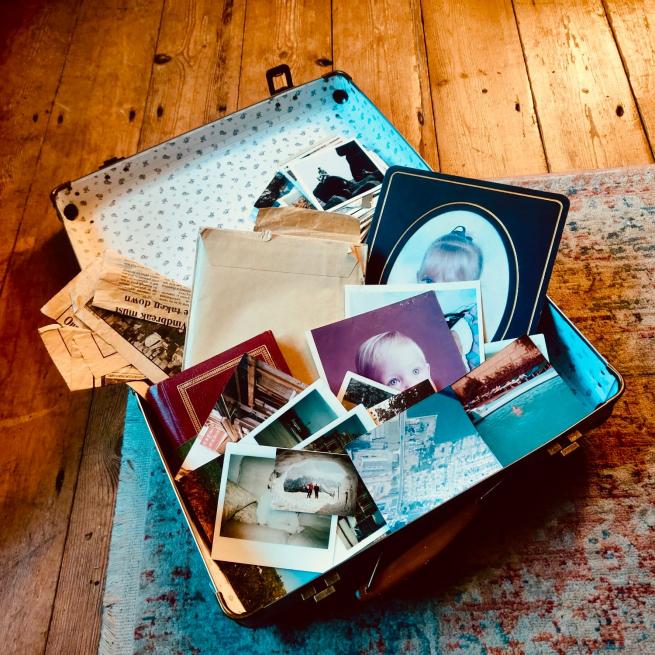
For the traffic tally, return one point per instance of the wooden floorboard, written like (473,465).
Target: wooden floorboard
(35,38)
(293,32)
(486,124)
(381,45)
(633,27)
(586,109)
(84,562)
(195,78)
(487,89)
(101,85)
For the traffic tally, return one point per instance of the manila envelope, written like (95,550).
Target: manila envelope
(308,222)
(249,282)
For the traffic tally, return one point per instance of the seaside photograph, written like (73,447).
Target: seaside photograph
(517,401)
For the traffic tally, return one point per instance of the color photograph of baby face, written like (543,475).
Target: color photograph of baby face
(398,345)
(460,245)
(393,359)
(459,301)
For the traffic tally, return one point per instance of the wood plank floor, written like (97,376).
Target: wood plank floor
(489,88)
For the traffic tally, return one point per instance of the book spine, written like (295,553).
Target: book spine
(171,435)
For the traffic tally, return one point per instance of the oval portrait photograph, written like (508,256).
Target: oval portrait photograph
(462,245)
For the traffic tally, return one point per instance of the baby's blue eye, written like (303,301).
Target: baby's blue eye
(393,382)
(416,371)
(427,280)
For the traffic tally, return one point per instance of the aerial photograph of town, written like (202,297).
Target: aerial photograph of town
(422,458)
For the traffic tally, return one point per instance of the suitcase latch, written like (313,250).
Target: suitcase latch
(573,443)
(322,588)
(272,74)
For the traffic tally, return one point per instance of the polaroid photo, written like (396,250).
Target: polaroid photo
(354,533)
(460,302)
(314,483)
(304,415)
(518,402)
(283,190)
(398,346)
(335,175)
(431,227)
(249,531)
(358,390)
(494,347)
(253,393)
(422,458)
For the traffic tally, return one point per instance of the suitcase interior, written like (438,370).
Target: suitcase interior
(146,205)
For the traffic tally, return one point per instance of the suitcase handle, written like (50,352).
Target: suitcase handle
(282,70)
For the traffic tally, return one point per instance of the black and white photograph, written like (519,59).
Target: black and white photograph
(282,192)
(254,392)
(358,390)
(301,417)
(250,531)
(335,175)
(162,345)
(314,482)
(391,407)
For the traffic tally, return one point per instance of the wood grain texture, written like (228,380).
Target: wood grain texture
(211,60)
(44,425)
(586,109)
(203,43)
(195,77)
(35,38)
(295,32)
(81,581)
(483,112)
(381,45)
(633,25)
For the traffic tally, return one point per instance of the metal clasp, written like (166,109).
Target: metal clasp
(272,74)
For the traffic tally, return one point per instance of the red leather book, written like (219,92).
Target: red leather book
(183,402)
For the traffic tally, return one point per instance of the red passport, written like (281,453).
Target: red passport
(183,402)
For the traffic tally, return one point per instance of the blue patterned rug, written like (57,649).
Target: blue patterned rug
(563,564)
(158,598)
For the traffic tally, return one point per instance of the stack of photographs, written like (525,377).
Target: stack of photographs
(301,480)
(259,400)
(337,175)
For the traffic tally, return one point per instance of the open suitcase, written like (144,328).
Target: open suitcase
(150,206)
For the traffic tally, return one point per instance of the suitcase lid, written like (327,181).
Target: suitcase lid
(150,206)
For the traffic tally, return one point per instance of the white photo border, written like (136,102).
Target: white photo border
(244,551)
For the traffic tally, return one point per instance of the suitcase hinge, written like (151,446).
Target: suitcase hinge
(110,162)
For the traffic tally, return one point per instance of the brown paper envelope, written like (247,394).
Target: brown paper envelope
(249,282)
(308,222)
